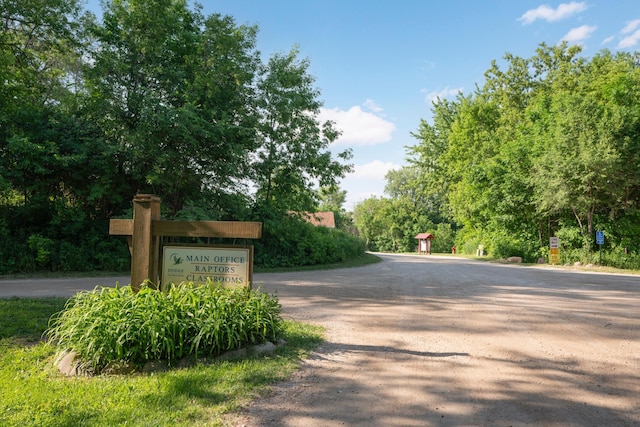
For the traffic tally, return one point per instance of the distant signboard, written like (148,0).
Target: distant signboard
(554,250)
(225,265)
(600,237)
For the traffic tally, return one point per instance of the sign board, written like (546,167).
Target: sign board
(554,250)
(600,237)
(226,265)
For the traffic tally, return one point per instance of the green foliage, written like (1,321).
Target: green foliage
(504,246)
(116,325)
(332,199)
(82,247)
(42,247)
(444,238)
(153,97)
(618,258)
(391,224)
(294,152)
(546,147)
(33,394)
(290,241)
(170,91)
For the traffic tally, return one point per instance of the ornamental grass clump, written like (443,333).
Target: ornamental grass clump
(111,326)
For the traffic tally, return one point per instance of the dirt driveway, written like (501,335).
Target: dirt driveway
(436,341)
(431,341)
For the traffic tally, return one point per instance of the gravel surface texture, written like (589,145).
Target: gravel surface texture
(437,341)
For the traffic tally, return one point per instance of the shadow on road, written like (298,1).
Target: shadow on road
(418,341)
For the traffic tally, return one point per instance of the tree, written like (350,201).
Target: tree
(332,199)
(173,93)
(294,155)
(40,43)
(433,175)
(408,183)
(153,98)
(591,127)
(390,224)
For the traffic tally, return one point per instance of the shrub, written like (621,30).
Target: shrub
(116,325)
(290,242)
(42,248)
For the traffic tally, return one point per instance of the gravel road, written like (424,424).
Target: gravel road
(433,341)
(444,341)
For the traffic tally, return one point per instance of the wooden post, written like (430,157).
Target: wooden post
(144,246)
(145,229)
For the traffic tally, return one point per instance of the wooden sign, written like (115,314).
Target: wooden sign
(224,265)
(145,229)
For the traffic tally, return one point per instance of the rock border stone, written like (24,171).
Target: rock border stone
(69,363)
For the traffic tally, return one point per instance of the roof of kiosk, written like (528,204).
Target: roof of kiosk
(424,236)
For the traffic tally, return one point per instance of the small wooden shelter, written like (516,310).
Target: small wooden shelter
(424,242)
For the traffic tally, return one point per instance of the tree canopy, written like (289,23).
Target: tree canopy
(154,97)
(547,146)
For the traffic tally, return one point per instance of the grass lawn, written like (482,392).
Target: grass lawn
(35,394)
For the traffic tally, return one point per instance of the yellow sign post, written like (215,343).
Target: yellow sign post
(554,250)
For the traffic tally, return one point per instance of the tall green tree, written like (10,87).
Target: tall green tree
(172,92)
(294,159)
(433,175)
(40,46)
(592,141)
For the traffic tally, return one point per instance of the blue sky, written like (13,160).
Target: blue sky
(379,64)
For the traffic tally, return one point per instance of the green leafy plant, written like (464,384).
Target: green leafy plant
(203,395)
(290,241)
(116,325)
(42,247)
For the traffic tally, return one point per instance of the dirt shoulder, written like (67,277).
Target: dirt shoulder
(430,341)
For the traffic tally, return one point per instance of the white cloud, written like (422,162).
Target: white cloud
(367,180)
(629,41)
(579,34)
(358,195)
(426,65)
(375,170)
(371,105)
(359,127)
(608,40)
(447,92)
(631,26)
(549,14)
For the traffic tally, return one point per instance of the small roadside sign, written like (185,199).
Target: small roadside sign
(554,250)
(600,242)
